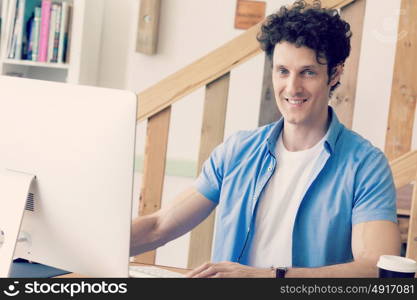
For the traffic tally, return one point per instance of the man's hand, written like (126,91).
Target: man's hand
(178,217)
(229,270)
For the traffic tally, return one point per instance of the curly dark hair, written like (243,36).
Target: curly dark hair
(312,26)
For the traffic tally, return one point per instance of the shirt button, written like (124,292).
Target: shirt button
(270,169)
(254,197)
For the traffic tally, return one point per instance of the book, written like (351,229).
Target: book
(16,51)
(44,30)
(56,34)
(27,49)
(19,29)
(11,18)
(51,33)
(3,23)
(63,32)
(28,20)
(35,31)
(67,37)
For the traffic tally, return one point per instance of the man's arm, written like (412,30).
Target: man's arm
(369,241)
(186,211)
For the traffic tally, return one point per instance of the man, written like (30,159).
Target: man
(302,197)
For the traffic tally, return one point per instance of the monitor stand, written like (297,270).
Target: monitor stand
(14,189)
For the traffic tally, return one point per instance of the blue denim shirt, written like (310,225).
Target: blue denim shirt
(351,183)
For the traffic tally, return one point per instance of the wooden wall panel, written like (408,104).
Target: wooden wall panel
(212,134)
(269,111)
(404,86)
(148,26)
(343,99)
(154,170)
(412,230)
(404,169)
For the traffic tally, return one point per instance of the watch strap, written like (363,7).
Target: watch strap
(280,272)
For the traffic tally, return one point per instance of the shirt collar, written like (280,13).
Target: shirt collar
(334,130)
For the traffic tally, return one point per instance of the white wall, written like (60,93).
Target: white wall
(190,29)
(118,30)
(376,69)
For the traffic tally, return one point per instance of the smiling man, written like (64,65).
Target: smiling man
(302,197)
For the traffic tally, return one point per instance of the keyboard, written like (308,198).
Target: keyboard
(152,272)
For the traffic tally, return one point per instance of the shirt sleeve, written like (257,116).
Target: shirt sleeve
(375,195)
(209,182)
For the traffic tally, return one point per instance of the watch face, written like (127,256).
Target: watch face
(280,272)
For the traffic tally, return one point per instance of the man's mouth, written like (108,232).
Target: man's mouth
(296,101)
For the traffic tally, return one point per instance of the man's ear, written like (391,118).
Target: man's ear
(337,73)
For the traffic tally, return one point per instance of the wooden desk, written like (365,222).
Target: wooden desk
(179,270)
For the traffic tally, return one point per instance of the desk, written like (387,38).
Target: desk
(179,270)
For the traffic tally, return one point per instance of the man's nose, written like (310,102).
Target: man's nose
(294,86)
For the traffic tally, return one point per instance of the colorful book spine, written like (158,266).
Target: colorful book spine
(63,31)
(19,30)
(56,34)
(67,37)
(44,30)
(27,36)
(36,29)
(30,33)
(16,30)
(3,26)
(11,19)
(51,34)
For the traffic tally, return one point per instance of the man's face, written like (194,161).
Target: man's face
(301,85)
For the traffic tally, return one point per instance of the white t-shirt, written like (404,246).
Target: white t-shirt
(278,206)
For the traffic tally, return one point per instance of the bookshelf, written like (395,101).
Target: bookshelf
(83,50)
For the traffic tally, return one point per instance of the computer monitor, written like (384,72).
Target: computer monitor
(79,142)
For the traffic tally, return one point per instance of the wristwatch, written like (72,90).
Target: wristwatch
(280,272)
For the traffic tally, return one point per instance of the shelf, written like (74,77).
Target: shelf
(84,42)
(35,64)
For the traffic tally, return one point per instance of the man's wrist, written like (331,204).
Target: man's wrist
(279,272)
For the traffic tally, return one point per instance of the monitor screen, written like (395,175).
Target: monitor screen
(79,143)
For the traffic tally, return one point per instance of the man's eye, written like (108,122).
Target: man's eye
(309,73)
(282,71)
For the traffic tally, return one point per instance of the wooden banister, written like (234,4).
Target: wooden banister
(404,169)
(411,251)
(212,134)
(404,87)
(154,170)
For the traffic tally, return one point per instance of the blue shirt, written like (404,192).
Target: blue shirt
(351,183)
